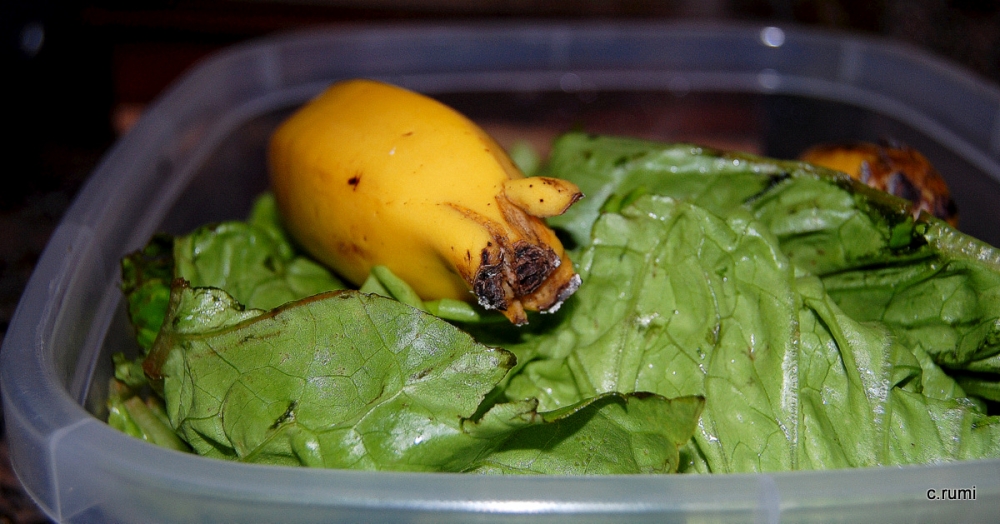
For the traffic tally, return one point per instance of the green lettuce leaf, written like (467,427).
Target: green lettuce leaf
(806,207)
(933,286)
(718,295)
(711,307)
(382,281)
(609,168)
(946,302)
(603,435)
(352,380)
(701,306)
(146,276)
(338,380)
(254,261)
(143,418)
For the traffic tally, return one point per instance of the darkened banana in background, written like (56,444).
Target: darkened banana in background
(371,174)
(897,169)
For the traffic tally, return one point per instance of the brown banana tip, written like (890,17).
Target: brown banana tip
(532,266)
(576,198)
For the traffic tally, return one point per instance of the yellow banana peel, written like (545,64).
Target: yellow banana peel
(371,174)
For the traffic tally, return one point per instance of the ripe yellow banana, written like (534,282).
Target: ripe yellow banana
(371,174)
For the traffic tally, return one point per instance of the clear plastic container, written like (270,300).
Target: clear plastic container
(197,155)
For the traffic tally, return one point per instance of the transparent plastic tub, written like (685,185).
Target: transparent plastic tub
(197,155)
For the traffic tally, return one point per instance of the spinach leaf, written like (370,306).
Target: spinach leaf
(606,167)
(142,418)
(254,261)
(341,379)
(698,306)
(351,380)
(146,276)
(607,434)
(797,373)
(935,288)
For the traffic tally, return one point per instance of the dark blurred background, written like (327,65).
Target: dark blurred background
(80,73)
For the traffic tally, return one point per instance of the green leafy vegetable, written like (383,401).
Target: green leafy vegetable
(944,299)
(525,157)
(254,261)
(718,295)
(141,418)
(608,434)
(611,168)
(344,380)
(701,307)
(350,380)
(146,276)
